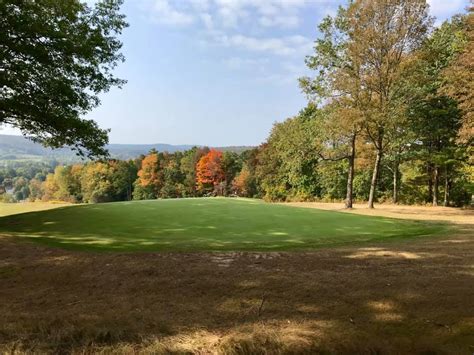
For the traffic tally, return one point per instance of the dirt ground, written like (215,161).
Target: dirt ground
(427,213)
(7,209)
(394,298)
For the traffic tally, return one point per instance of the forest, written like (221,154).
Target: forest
(388,119)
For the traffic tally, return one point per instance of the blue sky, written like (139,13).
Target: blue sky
(214,72)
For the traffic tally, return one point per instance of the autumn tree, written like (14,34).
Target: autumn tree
(188,165)
(97,186)
(340,128)
(50,188)
(245,183)
(458,78)
(382,34)
(209,172)
(239,184)
(338,85)
(149,181)
(358,61)
(36,190)
(458,83)
(61,185)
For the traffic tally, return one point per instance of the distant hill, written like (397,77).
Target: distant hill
(21,148)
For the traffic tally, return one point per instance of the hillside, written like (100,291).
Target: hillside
(20,148)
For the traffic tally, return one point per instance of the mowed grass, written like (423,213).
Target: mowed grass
(204,224)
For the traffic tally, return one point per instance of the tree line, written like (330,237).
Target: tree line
(389,118)
(195,172)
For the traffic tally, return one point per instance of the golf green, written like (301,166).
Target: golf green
(204,224)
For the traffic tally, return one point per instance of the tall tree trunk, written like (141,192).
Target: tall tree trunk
(446,186)
(350,174)
(375,173)
(429,170)
(395,178)
(435,185)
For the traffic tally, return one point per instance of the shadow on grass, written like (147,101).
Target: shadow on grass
(392,298)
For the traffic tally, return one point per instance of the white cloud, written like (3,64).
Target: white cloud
(284,46)
(279,21)
(200,5)
(229,13)
(242,24)
(278,13)
(241,63)
(207,21)
(230,17)
(166,14)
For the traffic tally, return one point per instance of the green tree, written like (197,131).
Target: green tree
(173,177)
(458,77)
(288,160)
(434,117)
(232,165)
(56,57)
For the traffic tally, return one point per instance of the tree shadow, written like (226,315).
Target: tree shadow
(409,298)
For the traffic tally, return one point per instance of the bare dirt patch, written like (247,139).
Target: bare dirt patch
(413,297)
(7,209)
(425,213)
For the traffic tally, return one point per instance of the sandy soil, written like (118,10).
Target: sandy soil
(427,213)
(22,207)
(413,297)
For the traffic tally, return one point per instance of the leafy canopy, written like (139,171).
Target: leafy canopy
(56,57)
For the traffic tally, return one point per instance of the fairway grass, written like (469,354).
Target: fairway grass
(204,224)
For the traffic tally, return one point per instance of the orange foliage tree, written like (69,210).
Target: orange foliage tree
(149,175)
(209,171)
(242,183)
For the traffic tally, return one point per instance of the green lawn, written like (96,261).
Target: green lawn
(204,224)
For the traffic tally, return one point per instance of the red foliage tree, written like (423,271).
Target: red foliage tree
(209,171)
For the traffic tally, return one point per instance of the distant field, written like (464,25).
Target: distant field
(204,224)
(7,209)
